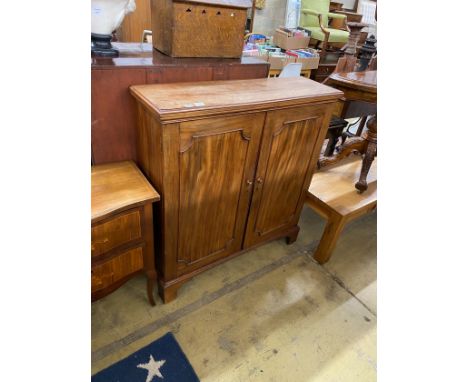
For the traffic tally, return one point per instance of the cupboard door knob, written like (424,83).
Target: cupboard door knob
(249,182)
(259,180)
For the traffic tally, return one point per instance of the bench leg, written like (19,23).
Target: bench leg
(329,238)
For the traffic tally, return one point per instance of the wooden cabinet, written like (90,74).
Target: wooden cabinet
(121,228)
(232,161)
(113,130)
(199,28)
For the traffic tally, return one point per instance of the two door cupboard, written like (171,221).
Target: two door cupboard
(232,161)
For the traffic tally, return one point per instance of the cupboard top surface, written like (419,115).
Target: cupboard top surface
(182,100)
(116,186)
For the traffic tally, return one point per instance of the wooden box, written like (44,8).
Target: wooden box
(232,161)
(199,28)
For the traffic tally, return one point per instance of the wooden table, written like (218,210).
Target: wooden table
(331,195)
(122,243)
(113,112)
(358,86)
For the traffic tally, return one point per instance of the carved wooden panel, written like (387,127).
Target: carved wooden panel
(115,232)
(217,159)
(289,139)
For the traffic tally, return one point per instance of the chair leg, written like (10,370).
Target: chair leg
(329,238)
(362,123)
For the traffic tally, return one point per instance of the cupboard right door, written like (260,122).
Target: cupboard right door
(289,151)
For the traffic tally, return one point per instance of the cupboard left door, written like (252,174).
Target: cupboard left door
(217,159)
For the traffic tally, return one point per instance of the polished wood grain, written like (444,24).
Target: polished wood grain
(248,152)
(223,3)
(177,32)
(284,169)
(122,243)
(217,162)
(136,22)
(112,114)
(118,186)
(113,111)
(174,101)
(332,195)
(362,87)
(122,229)
(105,274)
(365,82)
(222,35)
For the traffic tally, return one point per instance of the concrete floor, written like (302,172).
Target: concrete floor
(272,314)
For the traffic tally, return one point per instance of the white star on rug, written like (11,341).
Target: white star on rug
(153,368)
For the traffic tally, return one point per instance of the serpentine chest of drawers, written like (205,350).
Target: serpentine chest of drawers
(121,227)
(232,161)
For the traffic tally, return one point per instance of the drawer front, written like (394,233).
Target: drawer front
(122,229)
(116,269)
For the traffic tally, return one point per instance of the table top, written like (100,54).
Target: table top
(334,186)
(364,81)
(140,55)
(196,98)
(116,187)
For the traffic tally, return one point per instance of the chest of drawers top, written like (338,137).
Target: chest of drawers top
(198,99)
(116,187)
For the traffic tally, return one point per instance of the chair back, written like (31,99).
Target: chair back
(320,6)
(291,70)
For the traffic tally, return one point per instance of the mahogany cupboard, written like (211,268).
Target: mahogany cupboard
(112,109)
(232,161)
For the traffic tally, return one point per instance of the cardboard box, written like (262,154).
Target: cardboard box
(286,41)
(308,62)
(279,62)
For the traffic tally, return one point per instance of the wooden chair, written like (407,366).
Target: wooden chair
(332,195)
(315,16)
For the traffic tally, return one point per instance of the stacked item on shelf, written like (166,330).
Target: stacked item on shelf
(291,38)
(259,46)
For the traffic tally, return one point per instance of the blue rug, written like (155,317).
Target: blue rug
(162,360)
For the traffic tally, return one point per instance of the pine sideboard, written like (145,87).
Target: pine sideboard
(232,161)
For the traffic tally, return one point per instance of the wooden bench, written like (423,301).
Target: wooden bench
(333,196)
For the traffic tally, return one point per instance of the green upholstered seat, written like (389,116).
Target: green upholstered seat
(336,35)
(310,9)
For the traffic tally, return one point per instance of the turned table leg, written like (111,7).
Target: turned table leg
(369,154)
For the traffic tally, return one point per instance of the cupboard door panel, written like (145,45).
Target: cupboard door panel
(217,159)
(289,150)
